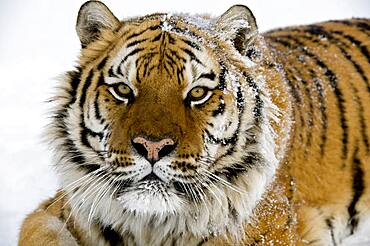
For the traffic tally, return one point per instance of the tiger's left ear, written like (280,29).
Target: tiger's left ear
(238,25)
(93,18)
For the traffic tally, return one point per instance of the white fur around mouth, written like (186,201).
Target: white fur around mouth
(151,197)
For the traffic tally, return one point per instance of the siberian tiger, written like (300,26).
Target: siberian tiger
(192,130)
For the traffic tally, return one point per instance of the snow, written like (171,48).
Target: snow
(38,42)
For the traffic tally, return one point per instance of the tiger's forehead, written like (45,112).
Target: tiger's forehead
(160,48)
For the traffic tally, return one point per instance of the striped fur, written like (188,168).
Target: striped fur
(275,152)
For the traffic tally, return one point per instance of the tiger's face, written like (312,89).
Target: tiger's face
(164,117)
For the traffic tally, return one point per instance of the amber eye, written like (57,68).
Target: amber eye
(198,93)
(121,92)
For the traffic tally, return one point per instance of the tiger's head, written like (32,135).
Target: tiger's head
(166,117)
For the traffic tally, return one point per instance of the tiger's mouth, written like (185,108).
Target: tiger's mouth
(150,183)
(151,195)
(153,188)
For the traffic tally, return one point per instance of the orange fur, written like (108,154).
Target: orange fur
(314,75)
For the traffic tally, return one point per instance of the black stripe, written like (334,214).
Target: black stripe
(220,109)
(145,65)
(186,32)
(292,89)
(192,56)
(87,83)
(294,92)
(257,110)
(235,137)
(143,62)
(150,69)
(138,80)
(324,118)
(62,209)
(102,63)
(168,69)
(362,118)
(364,27)
(171,40)
(111,72)
(233,213)
(101,80)
(111,236)
(96,107)
(86,132)
(334,85)
(157,38)
(338,43)
(203,241)
(74,80)
(240,98)
(358,187)
(210,76)
(177,56)
(223,141)
(232,172)
(133,52)
(152,28)
(310,113)
(297,71)
(136,42)
(73,155)
(191,44)
(331,229)
(221,78)
(170,59)
(358,44)
(179,73)
(68,147)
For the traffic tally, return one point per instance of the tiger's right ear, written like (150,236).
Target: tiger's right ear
(238,25)
(93,18)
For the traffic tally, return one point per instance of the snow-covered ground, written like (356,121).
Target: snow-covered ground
(38,42)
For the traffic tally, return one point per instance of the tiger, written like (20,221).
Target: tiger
(179,129)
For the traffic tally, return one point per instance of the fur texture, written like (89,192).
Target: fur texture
(269,133)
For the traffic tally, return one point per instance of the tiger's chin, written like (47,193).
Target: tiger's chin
(151,197)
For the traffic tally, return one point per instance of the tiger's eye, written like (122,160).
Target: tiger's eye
(198,92)
(123,90)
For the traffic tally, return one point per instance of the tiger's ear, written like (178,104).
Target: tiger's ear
(238,25)
(93,17)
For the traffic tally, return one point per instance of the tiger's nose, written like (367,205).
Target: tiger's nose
(153,151)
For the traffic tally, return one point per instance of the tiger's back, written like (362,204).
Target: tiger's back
(327,72)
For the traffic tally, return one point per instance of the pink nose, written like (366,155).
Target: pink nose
(153,151)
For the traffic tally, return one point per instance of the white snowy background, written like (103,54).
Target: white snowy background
(38,42)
